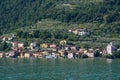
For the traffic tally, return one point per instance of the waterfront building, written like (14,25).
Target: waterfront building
(32,45)
(70,55)
(1,54)
(110,48)
(27,55)
(21,45)
(90,54)
(36,54)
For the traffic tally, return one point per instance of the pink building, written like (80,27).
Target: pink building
(53,46)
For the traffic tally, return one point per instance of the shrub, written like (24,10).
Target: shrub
(116,54)
(84,56)
(109,56)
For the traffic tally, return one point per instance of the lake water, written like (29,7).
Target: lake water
(59,69)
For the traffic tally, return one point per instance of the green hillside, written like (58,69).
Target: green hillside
(21,13)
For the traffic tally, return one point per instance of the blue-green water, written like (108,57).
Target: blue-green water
(59,69)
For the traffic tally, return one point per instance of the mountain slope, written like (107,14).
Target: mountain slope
(19,13)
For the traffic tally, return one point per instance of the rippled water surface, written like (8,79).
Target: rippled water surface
(59,69)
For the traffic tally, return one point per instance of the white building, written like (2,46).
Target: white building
(110,48)
(82,32)
(1,54)
(90,54)
(27,55)
(32,45)
(14,44)
(70,55)
(21,45)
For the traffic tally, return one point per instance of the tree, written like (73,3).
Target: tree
(36,34)
(97,54)
(58,35)
(5,46)
(19,33)
(0,32)
(45,35)
(84,56)
(112,2)
(116,54)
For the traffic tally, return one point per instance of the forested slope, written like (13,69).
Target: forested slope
(20,13)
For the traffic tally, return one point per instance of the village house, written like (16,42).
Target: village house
(17,45)
(53,47)
(21,54)
(21,45)
(83,50)
(32,45)
(110,48)
(5,38)
(90,53)
(70,30)
(70,55)
(44,53)
(44,45)
(27,55)
(37,54)
(67,48)
(61,53)
(10,53)
(75,32)
(14,45)
(63,42)
(80,32)
(1,54)
(52,55)
(73,48)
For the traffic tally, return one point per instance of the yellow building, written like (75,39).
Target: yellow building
(75,32)
(63,42)
(44,45)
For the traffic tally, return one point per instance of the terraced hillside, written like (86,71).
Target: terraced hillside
(101,17)
(20,13)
